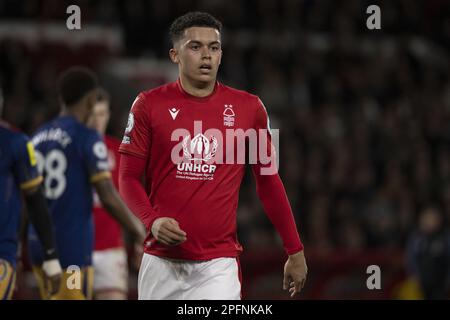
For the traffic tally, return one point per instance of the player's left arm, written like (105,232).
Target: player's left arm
(271,192)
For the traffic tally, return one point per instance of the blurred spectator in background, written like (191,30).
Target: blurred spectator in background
(429,254)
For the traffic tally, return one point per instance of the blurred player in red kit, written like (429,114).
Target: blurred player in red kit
(110,257)
(176,136)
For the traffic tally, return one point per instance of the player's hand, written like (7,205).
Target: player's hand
(168,232)
(295,271)
(52,276)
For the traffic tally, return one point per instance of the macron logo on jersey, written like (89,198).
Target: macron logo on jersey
(174,113)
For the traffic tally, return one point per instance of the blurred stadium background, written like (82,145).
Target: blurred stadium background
(364,118)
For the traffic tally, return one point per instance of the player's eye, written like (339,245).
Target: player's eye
(195,47)
(215,48)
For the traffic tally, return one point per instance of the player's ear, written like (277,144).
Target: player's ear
(173,53)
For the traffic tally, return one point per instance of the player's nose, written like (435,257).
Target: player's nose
(206,54)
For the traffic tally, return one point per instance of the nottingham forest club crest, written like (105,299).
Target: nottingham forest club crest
(228,116)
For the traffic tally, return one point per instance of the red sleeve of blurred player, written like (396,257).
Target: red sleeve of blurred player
(270,188)
(108,233)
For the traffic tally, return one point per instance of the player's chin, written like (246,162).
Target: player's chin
(206,77)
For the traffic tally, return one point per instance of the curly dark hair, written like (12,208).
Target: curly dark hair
(75,83)
(192,19)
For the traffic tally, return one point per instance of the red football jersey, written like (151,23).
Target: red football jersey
(108,233)
(182,138)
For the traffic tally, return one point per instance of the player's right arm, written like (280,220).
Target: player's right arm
(26,175)
(166,230)
(114,205)
(135,149)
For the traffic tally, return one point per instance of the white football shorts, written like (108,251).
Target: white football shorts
(110,270)
(169,279)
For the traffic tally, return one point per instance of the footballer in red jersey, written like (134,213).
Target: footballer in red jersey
(109,257)
(192,138)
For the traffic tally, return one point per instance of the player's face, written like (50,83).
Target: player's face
(198,54)
(99,117)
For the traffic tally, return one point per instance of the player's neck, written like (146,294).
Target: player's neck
(197,89)
(74,112)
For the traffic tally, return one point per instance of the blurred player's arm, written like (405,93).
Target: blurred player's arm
(39,216)
(272,194)
(114,205)
(96,157)
(25,172)
(166,230)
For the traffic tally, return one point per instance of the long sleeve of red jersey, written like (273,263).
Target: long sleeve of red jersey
(273,196)
(132,190)
(269,186)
